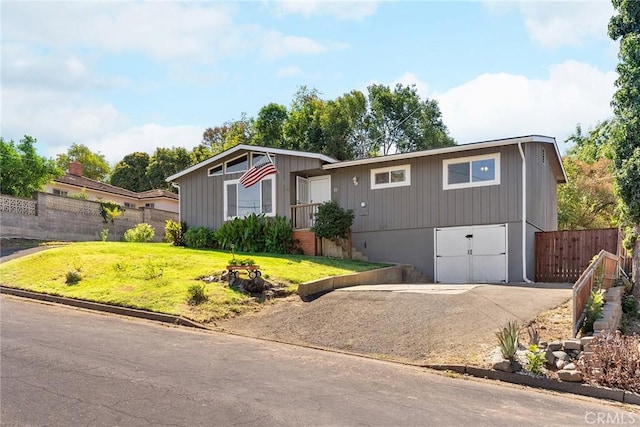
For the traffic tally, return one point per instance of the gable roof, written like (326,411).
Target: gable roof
(256,148)
(558,168)
(88,183)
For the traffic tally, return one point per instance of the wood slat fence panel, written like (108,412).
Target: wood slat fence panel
(562,256)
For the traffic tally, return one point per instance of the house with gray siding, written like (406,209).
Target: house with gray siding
(461,214)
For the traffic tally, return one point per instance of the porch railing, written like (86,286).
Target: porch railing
(302,216)
(602,271)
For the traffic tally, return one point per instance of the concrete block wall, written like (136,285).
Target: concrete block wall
(385,275)
(65,219)
(611,312)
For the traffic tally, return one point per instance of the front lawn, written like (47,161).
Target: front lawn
(156,276)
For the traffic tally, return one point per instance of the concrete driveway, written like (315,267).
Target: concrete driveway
(418,323)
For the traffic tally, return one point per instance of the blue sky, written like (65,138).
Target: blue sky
(132,76)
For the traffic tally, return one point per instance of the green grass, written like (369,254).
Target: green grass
(156,276)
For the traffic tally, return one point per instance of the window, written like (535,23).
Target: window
(259,198)
(474,171)
(216,170)
(129,205)
(394,176)
(239,164)
(150,205)
(60,192)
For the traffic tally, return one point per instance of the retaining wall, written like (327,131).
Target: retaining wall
(51,217)
(372,277)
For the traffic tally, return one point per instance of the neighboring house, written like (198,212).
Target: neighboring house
(74,183)
(466,213)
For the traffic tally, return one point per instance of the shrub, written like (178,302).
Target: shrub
(141,233)
(630,306)
(174,232)
(535,359)
(614,362)
(73,277)
(242,261)
(508,340)
(197,293)
(594,310)
(332,221)
(104,234)
(257,233)
(110,211)
(200,238)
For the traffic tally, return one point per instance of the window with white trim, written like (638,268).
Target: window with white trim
(260,198)
(393,176)
(475,171)
(60,192)
(239,164)
(129,205)
(216,170)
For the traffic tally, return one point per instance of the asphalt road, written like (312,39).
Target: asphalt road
(67,367)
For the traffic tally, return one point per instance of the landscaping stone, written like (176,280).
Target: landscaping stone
(551,359)
(542,345)
(501,364)
(572,345)
(561,355)
(560,363)
(554,346)
(570,376)
(570,367)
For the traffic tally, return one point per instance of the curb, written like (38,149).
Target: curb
(132,312)
(621,396)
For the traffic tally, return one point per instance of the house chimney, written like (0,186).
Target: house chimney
(75,168)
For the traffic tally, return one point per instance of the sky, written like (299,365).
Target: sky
(130,76)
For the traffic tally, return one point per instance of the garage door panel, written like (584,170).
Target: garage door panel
(489,240)
(452,269)
(452,242)
(488,268)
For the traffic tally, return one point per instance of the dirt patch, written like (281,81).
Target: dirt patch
(552,325)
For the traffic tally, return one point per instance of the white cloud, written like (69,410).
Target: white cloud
(561,22)
(288,72)
(276,45)
(502,105)
(348,10)
(408,79)
(144,138)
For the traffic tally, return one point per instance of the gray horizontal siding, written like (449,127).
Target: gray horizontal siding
(202,197)
(542,196)
(425,203)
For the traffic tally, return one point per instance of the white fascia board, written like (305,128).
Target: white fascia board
(445,150)
(256,148)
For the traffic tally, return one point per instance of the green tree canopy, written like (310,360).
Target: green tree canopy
(269,126)
(94,165)
(131,172)
(22,170)
(166,162)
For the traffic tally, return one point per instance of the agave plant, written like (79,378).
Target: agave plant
(508,340)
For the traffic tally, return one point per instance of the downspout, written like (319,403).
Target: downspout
(524,215)
(174,185)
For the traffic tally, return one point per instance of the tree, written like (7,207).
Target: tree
(269,126)
(401,122)
(302,130)
(94,165)
(131,172)
(597,144)
(230,134)
(166,162)
(625,26)
(22,171)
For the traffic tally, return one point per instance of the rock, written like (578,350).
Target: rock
(554,346)
(570,367)
(551,359)
(570,376)
(572,345)
(561,363)
(542,345)
(561,355)
(507,366)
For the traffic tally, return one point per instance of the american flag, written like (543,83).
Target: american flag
(260,169)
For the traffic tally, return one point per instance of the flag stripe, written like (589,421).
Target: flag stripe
(261,169)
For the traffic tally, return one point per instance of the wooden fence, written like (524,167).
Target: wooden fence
(600,274)
(562,256)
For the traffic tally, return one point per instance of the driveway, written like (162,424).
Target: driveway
(417,323)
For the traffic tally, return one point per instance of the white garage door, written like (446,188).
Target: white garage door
(475,254)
